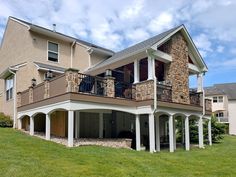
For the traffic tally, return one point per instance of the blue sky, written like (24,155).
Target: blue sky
(117,24)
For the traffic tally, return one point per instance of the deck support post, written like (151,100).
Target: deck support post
(77,124)
(200,132)
(171,135)
(187,140)
(31,125)
(151,133)
(137,132)
(70,128)
(100,125)
(209,132)
(48,126)
(157,134)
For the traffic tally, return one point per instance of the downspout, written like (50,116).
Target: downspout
(155,86)
(14,101)
(71,54)
(203,97)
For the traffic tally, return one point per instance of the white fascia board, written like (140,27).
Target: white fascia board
(193,68)
(164,57)
(51,34)
(189,41)
(46,69)
(13,19)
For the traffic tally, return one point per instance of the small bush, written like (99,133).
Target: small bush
(5,121)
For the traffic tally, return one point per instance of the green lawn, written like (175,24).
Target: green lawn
(23,155)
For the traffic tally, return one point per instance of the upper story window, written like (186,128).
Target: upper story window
(9,88)
(218,99)
(220,114)
(52,51)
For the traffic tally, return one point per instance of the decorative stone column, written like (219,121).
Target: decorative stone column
(31,99)
(72,80)
(110,86)
(18,99)
(46,89)
(144,90)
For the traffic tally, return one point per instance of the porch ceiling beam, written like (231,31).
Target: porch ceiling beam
(162,56)
(193,68)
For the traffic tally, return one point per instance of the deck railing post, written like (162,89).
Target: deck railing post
(31,99)
(46,89)
(110,86)
(72,80)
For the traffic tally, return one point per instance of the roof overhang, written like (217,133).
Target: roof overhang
(45,67)
(7,72)
(52,34)
(191,46)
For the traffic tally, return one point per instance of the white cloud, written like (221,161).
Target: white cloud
(220,49)
(161,22)
(137,35)
(132,10)
(203,43)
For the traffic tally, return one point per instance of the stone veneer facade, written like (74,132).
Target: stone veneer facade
(144,90)
(177,72)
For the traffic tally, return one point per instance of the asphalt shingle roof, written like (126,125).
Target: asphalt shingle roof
(135,48)
(228,89)
(78,40)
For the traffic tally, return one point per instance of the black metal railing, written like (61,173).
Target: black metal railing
(164,92)
(92,85)
(195,97)
(124,90)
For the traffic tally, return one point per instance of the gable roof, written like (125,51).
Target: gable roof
(149,43)
(228,89)
(69,38)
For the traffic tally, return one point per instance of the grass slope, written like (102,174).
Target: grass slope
(26,156)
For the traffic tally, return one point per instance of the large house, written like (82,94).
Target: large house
(223,98)
(66,87)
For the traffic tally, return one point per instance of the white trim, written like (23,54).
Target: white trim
(13,19)
(46,69)
(58,61)
(193,68)
(166,38)
(162,56)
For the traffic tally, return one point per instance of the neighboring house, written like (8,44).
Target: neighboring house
(223,98)
(140,92)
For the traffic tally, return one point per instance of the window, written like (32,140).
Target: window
(220,114)
(52,51)
(214,99)
(220,99)
(9,88)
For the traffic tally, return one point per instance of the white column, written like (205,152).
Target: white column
(171,134)
(187,140)
(151,133)
(150,68)
(137,132)
(100,125)
(209,132)
(77,121)
(157,134)
(174,133)
(182,134)
(136,71)
(200,132)
(48,127)
(200,82)
(70,128)
(20,123)
(31,125)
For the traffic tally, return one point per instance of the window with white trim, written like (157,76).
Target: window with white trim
(220,114)
(218,99)
(52,51)
(9,88)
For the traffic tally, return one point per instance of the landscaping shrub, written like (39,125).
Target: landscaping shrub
(5,121)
